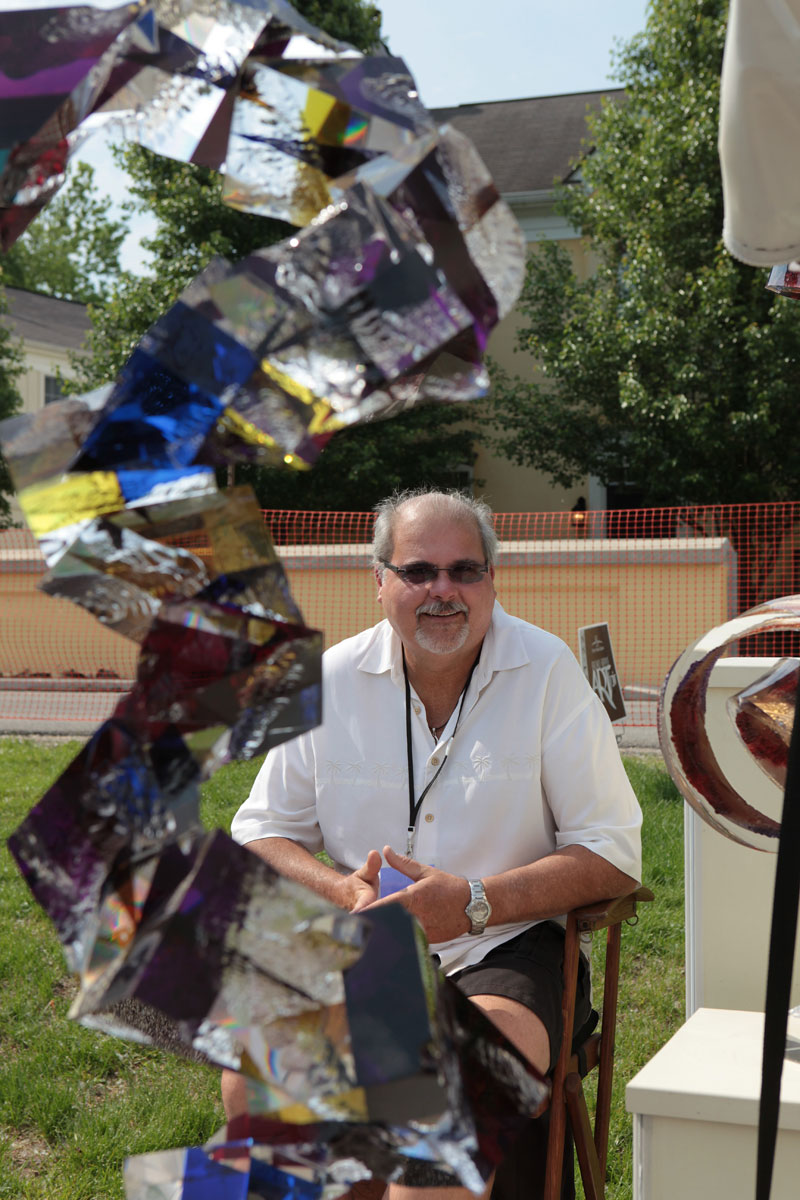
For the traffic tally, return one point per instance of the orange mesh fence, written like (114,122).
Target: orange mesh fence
(658,577)
(58,665)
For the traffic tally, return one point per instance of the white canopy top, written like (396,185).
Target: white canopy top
(759,135)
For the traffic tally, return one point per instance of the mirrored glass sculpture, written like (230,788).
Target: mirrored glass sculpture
(762,717)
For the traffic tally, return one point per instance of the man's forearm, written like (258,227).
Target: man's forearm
(295,862)
(564,880)
(537,891)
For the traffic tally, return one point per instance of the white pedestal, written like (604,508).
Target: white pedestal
(729,887)
(695,1113)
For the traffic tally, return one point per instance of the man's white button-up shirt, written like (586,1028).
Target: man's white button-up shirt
(532,766)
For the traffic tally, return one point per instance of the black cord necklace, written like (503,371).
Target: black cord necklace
(415,805)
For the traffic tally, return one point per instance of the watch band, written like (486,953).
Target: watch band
(479,909)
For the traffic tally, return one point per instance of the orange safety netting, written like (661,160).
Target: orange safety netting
(658,577)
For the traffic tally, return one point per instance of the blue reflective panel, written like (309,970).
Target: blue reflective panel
(389,1027)
(205,1179)
(151,417)
(196,350)
(148,28)
(269,1183)
(135,485)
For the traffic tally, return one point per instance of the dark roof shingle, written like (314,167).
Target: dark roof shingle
(527,144)
(34,317)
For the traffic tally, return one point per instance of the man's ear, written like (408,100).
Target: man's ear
(379,582)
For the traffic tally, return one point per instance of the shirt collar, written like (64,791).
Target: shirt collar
(503,650)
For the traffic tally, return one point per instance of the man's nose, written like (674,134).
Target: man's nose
(442,585)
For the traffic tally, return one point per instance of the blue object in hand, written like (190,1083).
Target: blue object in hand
(392,881)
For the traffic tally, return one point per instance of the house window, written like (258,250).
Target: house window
(52,389)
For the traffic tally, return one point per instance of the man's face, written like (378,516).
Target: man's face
(440,617)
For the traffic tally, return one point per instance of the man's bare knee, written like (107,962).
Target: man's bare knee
(397,1191)
(521,1026)
(234,1094)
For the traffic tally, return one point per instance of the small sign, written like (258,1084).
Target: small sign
(597,660)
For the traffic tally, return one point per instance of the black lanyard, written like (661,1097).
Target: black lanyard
(415,806)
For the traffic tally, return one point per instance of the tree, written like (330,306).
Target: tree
(671,367)
(71,250)
(193,225)
(10,401)
(354,21)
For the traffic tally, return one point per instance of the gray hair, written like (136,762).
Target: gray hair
(453,504)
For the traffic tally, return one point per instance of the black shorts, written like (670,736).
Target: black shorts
(529,968)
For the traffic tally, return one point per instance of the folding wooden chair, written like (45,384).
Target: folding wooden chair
(567,1101)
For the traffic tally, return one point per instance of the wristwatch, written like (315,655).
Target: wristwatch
(479,909)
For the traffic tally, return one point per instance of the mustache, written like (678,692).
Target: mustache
(441,608)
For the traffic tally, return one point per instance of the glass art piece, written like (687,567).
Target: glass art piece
(784,279)
(762,715)
(458,1108)
(359,1060)
(387,300)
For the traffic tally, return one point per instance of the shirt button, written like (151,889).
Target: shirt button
(435,761)
(416,709)
(429,817)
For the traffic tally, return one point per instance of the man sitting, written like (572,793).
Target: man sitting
(463,748)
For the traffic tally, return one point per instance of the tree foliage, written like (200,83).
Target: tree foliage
(352,21)
(192,226)
(671,367)
(10,368)
(72,249)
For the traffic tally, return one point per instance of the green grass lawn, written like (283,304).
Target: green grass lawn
(74,1103)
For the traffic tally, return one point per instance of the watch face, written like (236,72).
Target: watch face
(478,910)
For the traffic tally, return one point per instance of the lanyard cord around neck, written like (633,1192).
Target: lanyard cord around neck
(415,806)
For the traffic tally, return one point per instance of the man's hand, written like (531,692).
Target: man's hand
(363,886)
(435,898)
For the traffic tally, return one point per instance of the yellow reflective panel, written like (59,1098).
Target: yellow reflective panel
(346,1106)
(324,419)
(239,538)
(69,499)
(293,1114)
(233,422)
(260,633)
(288,383)
(317,109)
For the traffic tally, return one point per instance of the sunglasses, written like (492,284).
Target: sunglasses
(423,572)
